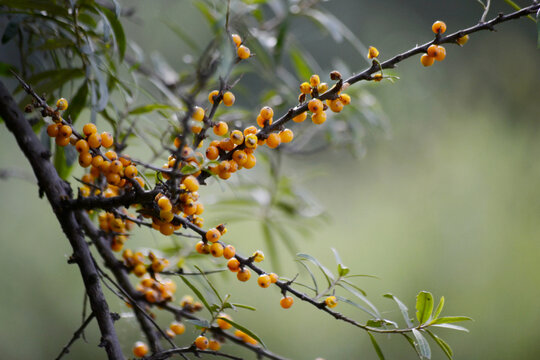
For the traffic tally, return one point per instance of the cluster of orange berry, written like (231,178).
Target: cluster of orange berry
(437,52)
(135,262)
(119,227)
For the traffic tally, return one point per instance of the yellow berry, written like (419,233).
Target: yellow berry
(224,325)
(177,327)
(214,345)
(233,265)
(286,135)
(345,99)
(258,256)
(212,95)
(229,252)
(202,248)
(305,88)
(463,40)
(331,301)
(243,52)
(251,141)
(286,302)
(62,141)
(322,88)
(62,104)
(237,39)
(130,171)
(94,140)
(335,105)
(89,129)
(140,349)
(315,105)
(441,53)
(106,140)
(191,183)
(372,52)
(251,161)
(81,146)
(65,131)
(221,128)
(314,80)
(166,228)
(273,278)
(213,235)
(264,281)
(164,203)
(432,50)
(438,27)
(273,140)
(212,153)
(266,113)
(237,137)
(427,60)
(262,122)
(52,130)
(85,159)
(228,98)
(198,114)
(216,250)
(201,342)
(318,118)
(300,118)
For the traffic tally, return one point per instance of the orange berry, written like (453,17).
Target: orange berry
(198,113)
(427,60)
(224,325)
(89,129)
(94,140)
(251,141)
(214,345)
(463,40)
(237,137)
(314,80)
(305,88)
(243,52)
(345,99)
(177,327)
(300,118)
(139,270)
(216,249)
(111,155)
(213,235)
(286,302)
(228,98)
(164,203)
(237,39)
(243,275)
(432,50)
(318,118)
(113,178)
(372,52)
(264,281)
(322,88)
(130,171)
(251,161)
(441,53)
(258,256)
(65,131)
(221,128)
(85,159)
(262,122)
(229,252)
(191,183)
(211,96)
(233,265)
(286,135)
(82,146)
(266,113)
(240,157)
(140,349)
(438,27)
(335,105)
(273,278)
(202,248)
(115,167)
(52,130)
(62,141)
(166,229)
(97,161)
(201,342)
(273,140)
(331,301)
(315,106)
(62,104)
(106,139)
(250,130)
(212,153)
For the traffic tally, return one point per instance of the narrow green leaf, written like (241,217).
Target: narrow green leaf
(538,27)
(244,306)
(312,276)
(442,344)
(411,342)
(244,329)
(143,109)
(439,308)
(451,326)
(350,302)
(37,5)
(209,283)
(424,306)
(517,7)
(422,345)
(354,286)
(450,319)
(199,323)
(184,36)
(342,269)
(198,293)
(403,308)
(118,30)
(376,346)
(300,65)
(327,274)
(375,312)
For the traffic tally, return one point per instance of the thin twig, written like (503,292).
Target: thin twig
(75,336)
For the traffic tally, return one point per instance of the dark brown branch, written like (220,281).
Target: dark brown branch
(77,334)
(56,190)
(189,350)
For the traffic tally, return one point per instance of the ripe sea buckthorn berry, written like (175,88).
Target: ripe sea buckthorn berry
(224,325)
(273,278)
(243,275)
(111,155)
(164,203)
(212,153)
(286,302)
(262,122)
(258,256)
(62,104)
(427,60)
(237,137)
(65,131)
(89,129)
(251,161)
(237,39)
(264,281)
(115,167)
(322,88)
(82,146)
(286,135)
(228,98)
(273,140)
(166,229)
(345,99)
(318,118)
(300,118)
(130,171)
(62,141)
(87,178)
(331,301)
(113,178)
(251,141)
(213,235)
(139,270)
(243,52)
(216,249)
(202,248)
(191,183)
(140,349)
(200,209)
(198,113)
(211,96)
(97,161)
(94,140)
(233,265)
(441,53)
(438,27)
(266,113)
(224,175)
(250,130)
(106,139)
(214,345)
(240,157)
(463,40)
(372,52)
(201,342)
(335,105)
(315,106)
(177,327)
(432,50)
(229,252)
(52,130)
(221,128)
(305,88)
(314,80)
(85,159)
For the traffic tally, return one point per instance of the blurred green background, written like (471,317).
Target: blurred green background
(446,200)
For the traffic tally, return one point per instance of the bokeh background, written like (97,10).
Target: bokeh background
(446,199)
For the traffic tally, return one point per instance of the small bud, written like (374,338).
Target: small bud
(335,75)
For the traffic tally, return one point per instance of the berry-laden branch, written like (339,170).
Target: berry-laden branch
(57,190)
